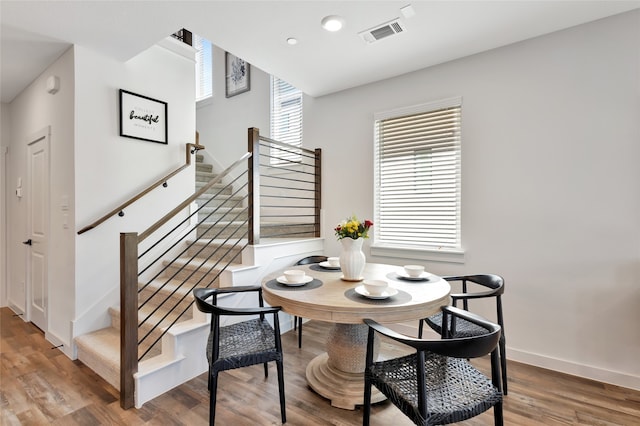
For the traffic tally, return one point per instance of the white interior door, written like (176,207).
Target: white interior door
(38,229)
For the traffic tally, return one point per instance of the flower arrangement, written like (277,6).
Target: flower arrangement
(353,228)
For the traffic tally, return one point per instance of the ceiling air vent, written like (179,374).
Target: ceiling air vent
(383,31)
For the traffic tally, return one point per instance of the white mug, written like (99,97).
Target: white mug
(294,276)
(375,287)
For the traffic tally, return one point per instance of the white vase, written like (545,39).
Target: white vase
(352,259)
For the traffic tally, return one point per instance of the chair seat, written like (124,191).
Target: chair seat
(245,343)
(463,328)
(456,391)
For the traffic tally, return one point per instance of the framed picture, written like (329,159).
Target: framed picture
(237,75)
(142,117)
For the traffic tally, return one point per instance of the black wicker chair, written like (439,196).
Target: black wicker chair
(495,286)
(437,384)
(250,342)
(297,321)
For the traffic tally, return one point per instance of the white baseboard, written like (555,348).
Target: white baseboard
(563,366)
(58,343)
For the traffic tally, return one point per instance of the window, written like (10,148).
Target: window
(286,119)
(204,68)
(417,177)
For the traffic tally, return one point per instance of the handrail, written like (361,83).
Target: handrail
(265,186)
(285,145)
(191,199)
(191,148)
(130,285)
(196,254)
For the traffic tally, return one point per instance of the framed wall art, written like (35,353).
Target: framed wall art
(237,75)
(143,118)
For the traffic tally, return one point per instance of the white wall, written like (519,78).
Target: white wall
(30,112)
(551,185)
(223,122)
(5,136)
(111,169)
(95,170)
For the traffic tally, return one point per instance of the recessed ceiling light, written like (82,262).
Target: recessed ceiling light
(408,11)
(292,41)
(332,23)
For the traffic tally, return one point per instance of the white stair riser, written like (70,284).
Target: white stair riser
(215,252)
(194,272)
(215,213)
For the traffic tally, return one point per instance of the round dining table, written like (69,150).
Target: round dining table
(338,374)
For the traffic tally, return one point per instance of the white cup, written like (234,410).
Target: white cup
(294,276)
(414,271)
(333,261)
(375,287)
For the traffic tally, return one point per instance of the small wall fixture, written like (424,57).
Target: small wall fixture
(292,41)
(332,23)
(53,84)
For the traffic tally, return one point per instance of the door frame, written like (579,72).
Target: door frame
(42,135)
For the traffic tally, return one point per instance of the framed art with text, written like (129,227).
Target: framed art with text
(237,75)
(142,117)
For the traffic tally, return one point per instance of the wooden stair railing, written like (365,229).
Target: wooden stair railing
(130,275)
(300,173)
(191,149)
(284,186)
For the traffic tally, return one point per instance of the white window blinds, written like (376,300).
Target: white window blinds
(204,67)
(417,176)
(286,119)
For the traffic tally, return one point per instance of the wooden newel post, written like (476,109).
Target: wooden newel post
(254,185)
(318,190)
(128,317)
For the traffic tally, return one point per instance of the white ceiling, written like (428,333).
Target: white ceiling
(35,33)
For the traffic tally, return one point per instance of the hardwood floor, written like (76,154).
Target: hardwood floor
(40,385)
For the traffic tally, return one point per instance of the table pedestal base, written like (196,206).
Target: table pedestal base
(338,375)
(345,390)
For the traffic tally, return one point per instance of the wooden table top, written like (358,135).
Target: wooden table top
(329,298)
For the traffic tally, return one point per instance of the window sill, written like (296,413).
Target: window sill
(204,102)
(433,255)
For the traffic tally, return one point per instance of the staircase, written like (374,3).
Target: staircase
(179,356)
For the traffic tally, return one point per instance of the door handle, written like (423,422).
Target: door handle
(28,242)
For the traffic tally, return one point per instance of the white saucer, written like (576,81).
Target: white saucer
(390,291)
(326,265)
(422,277)
(352,280)
(283,280)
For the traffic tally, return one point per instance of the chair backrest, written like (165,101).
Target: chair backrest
(458,347)
(495,284)
(492,281)
(471,347)
(311,259)
(202,294)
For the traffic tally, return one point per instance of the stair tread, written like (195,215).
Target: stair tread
(219,242)
(196,262)
(155,318)
(222,208)
(104,345)
(200,173)
(215,185)
(105,342)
